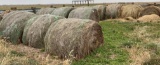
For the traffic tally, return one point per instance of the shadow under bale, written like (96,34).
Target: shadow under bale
(45,11)
(131,11)
(85,13)
(12,25)
(69,38)
(101,11)
(150,10)
(62,11)
(113,11)
(36,28)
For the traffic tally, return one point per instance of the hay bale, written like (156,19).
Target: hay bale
(77,37)
(113,11)
(101,11)
(45,11)
(85,13)
(131,11)
(63,11)
(150,10)
(149,18)
(36,28)
(12,25)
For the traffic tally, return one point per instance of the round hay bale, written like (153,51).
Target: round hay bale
(12,25)
(113,11)
(101,11)
(149,18)
(63,11)
(36,28)
(77,37)
(150,10)
(45,11)
(131,11)
(85,13)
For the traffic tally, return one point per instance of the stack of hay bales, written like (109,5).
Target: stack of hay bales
(12,25)
(149,18)
(63,11)
(113,11)
(45,11)
(85,13)
(150,10)
(36,28)
(101,11)
(75,37)
(131,11)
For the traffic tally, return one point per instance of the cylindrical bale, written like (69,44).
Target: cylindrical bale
(45,11)
(149,18)
(12,25)
(131,11)
(101,11)
(113,11)
(85,13)
(36,28)
(76,37)
(150,10)
(62,11)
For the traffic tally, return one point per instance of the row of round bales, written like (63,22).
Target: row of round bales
(58,35)
(101,12)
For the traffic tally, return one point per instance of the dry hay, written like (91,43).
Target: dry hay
(149,18)
(73,38)
(131,11)
(45,11)
(101,11)
(85,13)
(113,11)
(36,28)
(151,10)
(11,26)
(63,11)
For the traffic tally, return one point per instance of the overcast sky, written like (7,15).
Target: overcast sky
(8,2)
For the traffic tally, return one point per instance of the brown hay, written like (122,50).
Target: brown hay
(101,11)
(85,13)
(63,11)
(73,37)
(45,11)
(36,28)
(113,11)
(151,10)
(11,26)
(131,11)
(149,18)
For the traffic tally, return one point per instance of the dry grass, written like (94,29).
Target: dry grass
(23,55)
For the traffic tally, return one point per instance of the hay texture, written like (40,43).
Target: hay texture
(149,18)
(45,11)
(75,37)
(131,11)
(12,25)
(101,11)
(113,11)
(36,28)
(151,10)
(85,13)
(63,11)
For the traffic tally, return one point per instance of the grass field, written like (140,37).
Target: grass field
(125,43)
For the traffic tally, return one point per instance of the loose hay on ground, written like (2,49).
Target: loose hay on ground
(12,25)
(113,11)
(149,18)
(131,11)
(85,13)
(73,37)
(63,11)
(45,11)
(36,28)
